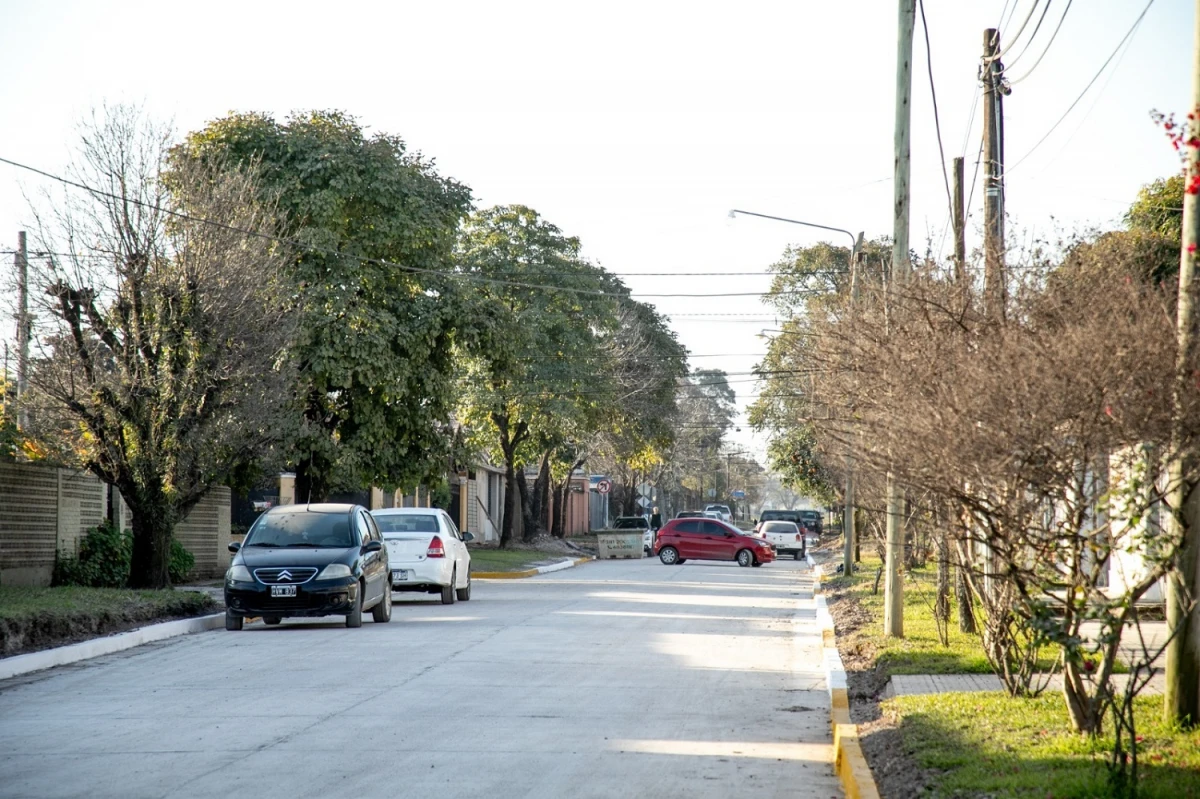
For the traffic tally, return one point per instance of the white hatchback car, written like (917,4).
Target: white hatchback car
(426,552)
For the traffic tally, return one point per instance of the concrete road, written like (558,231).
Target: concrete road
(614,679)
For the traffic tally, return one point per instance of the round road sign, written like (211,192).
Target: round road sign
(604,486)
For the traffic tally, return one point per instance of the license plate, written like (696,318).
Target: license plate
(399,574)
(283,590)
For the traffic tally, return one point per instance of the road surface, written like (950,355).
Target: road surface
(614,679)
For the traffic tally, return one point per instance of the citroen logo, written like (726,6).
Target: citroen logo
(284,575)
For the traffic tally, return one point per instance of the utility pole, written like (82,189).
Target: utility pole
(994,90)
(960,227)
(23,329)
(1181,697)
(893,608)
(849,533)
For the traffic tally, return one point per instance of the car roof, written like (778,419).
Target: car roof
(405,511)
(315,507)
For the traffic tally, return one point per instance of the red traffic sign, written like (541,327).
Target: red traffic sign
(604,486)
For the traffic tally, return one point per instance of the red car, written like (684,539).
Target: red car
(708,539)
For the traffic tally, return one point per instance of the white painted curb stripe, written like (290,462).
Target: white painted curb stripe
(556,567)
(835,671)
(61,656)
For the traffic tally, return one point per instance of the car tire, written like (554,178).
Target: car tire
(233,621)
(669,556)
(757,563)
(799,556)
(464,594)
(745,558)
(272,620)
(448,591)
(382,612)
(354,617)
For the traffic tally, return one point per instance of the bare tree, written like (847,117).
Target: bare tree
(163,365)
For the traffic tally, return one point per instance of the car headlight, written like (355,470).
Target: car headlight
(238,574)
(333,571)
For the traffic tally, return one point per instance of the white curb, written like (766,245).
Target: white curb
(61,656)
(556,567)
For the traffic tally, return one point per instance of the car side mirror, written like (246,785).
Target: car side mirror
(467,537)
(372,546)
(234,546)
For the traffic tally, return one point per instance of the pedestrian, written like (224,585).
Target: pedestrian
(655,520)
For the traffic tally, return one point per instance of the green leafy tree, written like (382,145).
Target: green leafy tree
(376,227)
(529,384)
(1159,208)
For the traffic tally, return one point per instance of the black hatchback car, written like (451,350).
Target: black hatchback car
(309,560)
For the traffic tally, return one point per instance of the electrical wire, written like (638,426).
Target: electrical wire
(1032,36)
(1016,37)
(937,122)
(1053,36)
(383,262)
(1133,29)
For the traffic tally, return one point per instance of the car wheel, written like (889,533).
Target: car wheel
(382,612)
(272,619)
(233,621)
(354,617)
(464,594)
(669,556)
(448,591)
(745,557)
(757,563)
(799,556)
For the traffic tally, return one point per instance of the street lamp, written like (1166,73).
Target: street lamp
(849,533)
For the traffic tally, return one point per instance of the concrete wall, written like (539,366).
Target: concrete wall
(43,509)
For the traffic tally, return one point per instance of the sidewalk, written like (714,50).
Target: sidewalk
(912,684)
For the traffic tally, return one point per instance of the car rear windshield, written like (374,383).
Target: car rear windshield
(406,523)
(630,523)
(307,529)
(780,515)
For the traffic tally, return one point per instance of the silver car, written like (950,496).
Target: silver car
(426,552)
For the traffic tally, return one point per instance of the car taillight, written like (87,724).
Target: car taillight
(436,549)
(797,536)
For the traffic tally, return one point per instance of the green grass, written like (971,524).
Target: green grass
(988,744)
(35,618)
(19,603)
(919,651)
(508,560)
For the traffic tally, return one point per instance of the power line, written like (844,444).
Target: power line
(1033,35)
(1095,77)
(1053,36)
(382,262)
(1016,37)
(937,121)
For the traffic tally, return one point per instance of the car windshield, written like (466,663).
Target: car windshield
(406,523)
(302,529)
(780,527)
(630,523)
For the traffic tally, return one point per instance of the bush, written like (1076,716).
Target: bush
(181,563)
(103,561)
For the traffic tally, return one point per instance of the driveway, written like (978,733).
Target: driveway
(614,679)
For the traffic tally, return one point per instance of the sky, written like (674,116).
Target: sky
(637,126)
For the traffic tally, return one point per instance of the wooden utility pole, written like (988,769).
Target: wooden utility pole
(849,533)
(1181,697)
(960,227)
(993,176)
(893,608)
(23,329)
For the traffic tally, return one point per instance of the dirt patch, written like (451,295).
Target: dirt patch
(896,772)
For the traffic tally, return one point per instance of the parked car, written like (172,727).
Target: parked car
(723,510)
(814,520)
(780,515)
(690,514)
(309,560)
(426,551)
(681,540)
(786,537)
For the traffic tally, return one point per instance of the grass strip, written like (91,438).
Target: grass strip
(988,744)
(37,618)
(509,560)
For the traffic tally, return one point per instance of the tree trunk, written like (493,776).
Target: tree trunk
(966,608)
(153,521)
(528,523)
(513,523)
(557,526)
(541,495)
(1084,712)
(942,605)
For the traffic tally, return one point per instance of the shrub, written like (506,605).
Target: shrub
(181,563)
(103,561)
